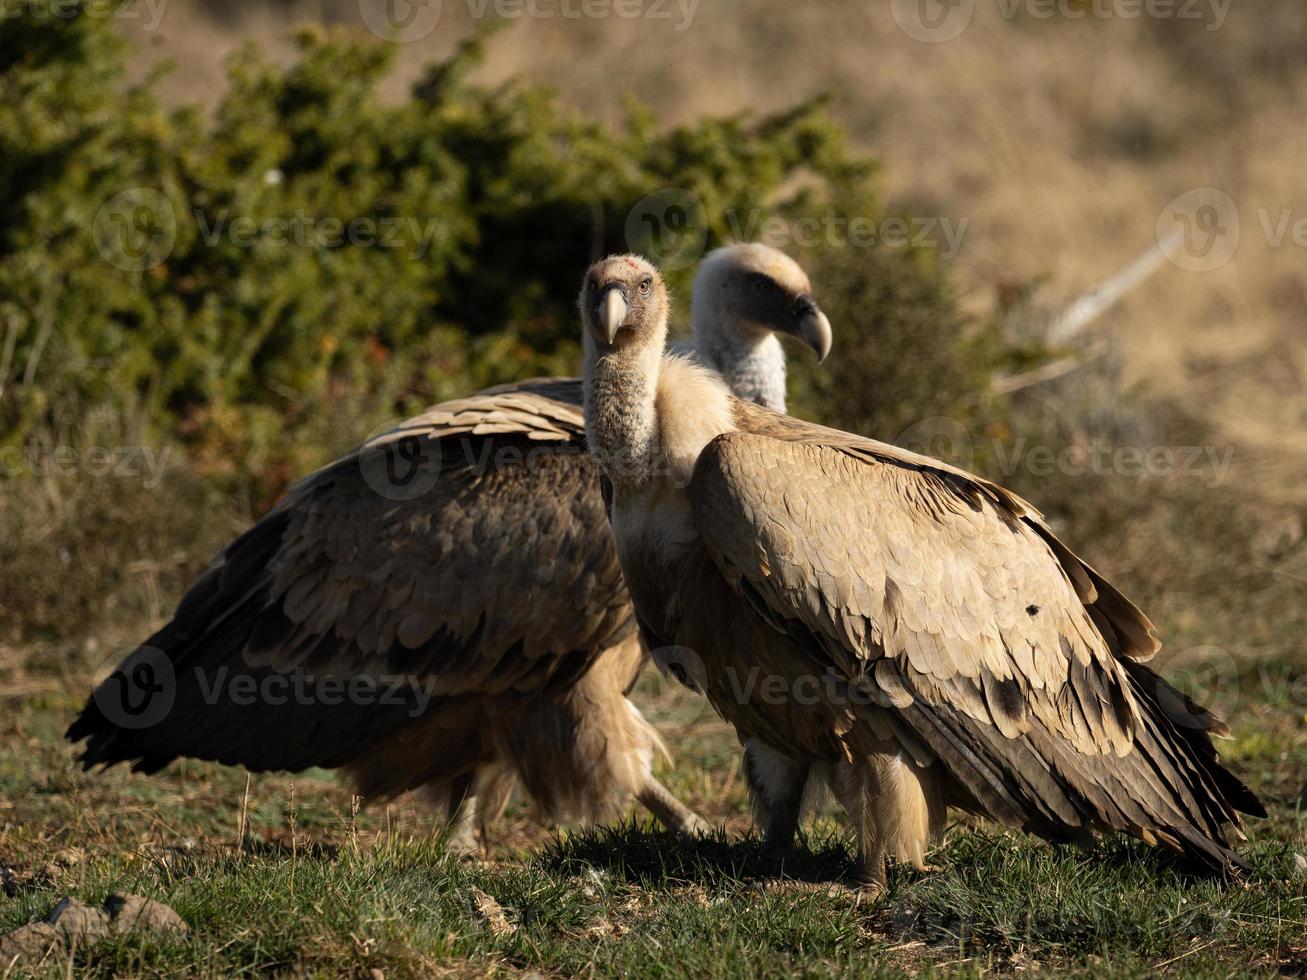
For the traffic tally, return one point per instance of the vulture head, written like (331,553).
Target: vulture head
(744,293)
(624,304)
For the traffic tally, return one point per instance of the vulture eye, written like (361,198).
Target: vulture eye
(645,286)
(763,285)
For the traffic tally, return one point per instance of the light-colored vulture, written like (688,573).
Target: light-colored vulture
(912,633)
(443,607)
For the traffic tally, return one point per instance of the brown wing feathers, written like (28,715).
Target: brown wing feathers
(350,577)
(1010,659)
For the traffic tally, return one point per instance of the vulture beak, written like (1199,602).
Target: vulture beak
(812,326)
(612,309)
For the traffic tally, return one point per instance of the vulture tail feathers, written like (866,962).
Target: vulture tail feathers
(1189,725)
(192,706)
(1171,788)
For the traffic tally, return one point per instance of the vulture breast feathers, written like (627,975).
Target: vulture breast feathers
(967,632)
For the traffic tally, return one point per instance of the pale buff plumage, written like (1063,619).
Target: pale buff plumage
(924,637)
(466,551)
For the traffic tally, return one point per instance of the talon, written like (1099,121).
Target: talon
(695,826)
(868,892)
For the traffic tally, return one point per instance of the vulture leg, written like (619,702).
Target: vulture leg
(671,812)
(776,786)
(458,799)
(897,810)
(584,756)
(493,788)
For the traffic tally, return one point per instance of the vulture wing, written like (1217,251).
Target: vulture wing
(987,643)
(407,562)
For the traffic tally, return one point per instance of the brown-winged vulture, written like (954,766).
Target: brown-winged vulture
(915,633)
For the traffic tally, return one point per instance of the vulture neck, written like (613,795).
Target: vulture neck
(749,358)
(621,416)
(648,415)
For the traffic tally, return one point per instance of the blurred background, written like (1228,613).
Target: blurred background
(1062,243)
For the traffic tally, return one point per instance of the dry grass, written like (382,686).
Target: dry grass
(278,874)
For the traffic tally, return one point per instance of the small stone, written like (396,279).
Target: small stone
(491,913)
(78,923)
(1300,864)
(134,912)
(26,944)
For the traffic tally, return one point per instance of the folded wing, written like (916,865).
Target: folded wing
(993,649)
(464,554)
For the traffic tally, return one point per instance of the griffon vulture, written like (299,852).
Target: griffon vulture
(442,608)
(913,633)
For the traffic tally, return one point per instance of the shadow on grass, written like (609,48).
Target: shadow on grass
(652,858)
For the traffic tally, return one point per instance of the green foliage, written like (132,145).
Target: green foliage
(903,354)
(237,277)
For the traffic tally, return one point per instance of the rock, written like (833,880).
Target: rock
(491,913)
(27,944)
(78,923)
(134,912)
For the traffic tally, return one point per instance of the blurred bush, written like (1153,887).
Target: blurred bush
(246,280)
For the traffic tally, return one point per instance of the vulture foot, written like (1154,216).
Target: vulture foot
(869,880)
(784,857)
(671,812)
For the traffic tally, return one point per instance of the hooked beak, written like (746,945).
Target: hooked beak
(812,326)
(612,309)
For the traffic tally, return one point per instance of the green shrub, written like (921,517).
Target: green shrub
(200,270)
